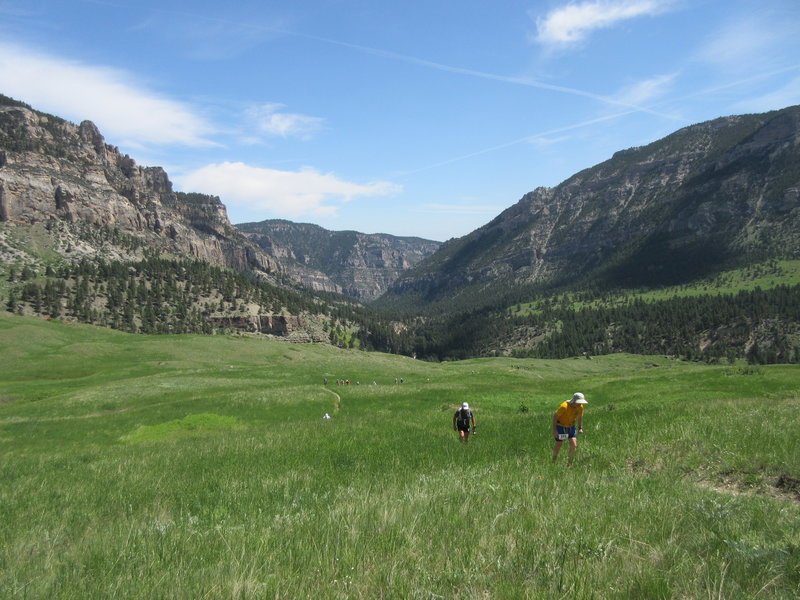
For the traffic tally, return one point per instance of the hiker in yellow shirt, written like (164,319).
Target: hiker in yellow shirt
(567,424)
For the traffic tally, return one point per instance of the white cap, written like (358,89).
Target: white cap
(577,398)
(465,405)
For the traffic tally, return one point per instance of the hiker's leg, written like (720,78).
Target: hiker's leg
(556,448)
(573,447)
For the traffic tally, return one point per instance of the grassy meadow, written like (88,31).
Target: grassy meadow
(190,467)
(763,276)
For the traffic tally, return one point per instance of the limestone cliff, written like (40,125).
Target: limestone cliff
(360,265)
(51,169)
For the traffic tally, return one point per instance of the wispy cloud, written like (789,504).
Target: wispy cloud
(208,38)
(461,209)
(429,64)
(756,43)
(122,108)
(15,9)
(647,91)
(270,120)
(749,53)
(282,193)
(573,23)
(617,7)
(603,12)
(786,95)
(536,138)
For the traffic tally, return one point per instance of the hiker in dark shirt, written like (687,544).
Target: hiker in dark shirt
(462,419)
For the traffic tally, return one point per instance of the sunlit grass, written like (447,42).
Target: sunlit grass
(765,277)
(200,467)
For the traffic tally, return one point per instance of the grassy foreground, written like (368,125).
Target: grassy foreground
(200,467)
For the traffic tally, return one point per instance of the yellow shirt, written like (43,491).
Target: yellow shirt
(567,413)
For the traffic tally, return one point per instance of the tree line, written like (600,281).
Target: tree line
(157,295)
(762,326)
(154,295)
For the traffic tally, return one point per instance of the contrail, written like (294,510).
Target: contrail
(535,136)
(528,138)
(718,88)
(522,81)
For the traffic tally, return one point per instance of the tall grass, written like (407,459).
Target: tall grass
(198,467)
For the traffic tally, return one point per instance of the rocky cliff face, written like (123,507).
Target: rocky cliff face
(681,207)
(360,265)
(54,170)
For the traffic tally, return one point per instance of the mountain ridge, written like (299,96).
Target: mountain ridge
(361,265)
(51,169)
(87,234)
(723,187)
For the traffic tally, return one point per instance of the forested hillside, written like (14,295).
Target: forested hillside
(166,296)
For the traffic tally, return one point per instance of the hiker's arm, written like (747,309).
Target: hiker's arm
(555,422)
(580,424)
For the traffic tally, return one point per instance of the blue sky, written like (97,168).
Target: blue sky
(424,118)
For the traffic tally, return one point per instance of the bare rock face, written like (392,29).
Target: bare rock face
(52,169)
(358,264)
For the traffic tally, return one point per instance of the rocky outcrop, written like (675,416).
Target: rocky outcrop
(52,169)
(357,264)
(292,328)
(268,324)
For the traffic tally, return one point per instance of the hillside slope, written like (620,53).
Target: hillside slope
(709,196)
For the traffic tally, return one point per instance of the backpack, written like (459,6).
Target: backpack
(464,416)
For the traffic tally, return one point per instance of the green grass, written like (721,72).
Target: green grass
(765,276)
(200,467)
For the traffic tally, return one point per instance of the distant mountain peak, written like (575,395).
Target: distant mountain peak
(358,264)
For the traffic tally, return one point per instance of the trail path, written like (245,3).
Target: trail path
(338,400)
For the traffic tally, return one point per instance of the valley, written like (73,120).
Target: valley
(700,226)
(256,257)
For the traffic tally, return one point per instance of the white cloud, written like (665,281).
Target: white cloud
(124,111)
(271,121)
(282,193)
(572,23)
(544,141)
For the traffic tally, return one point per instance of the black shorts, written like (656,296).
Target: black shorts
(463,427)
